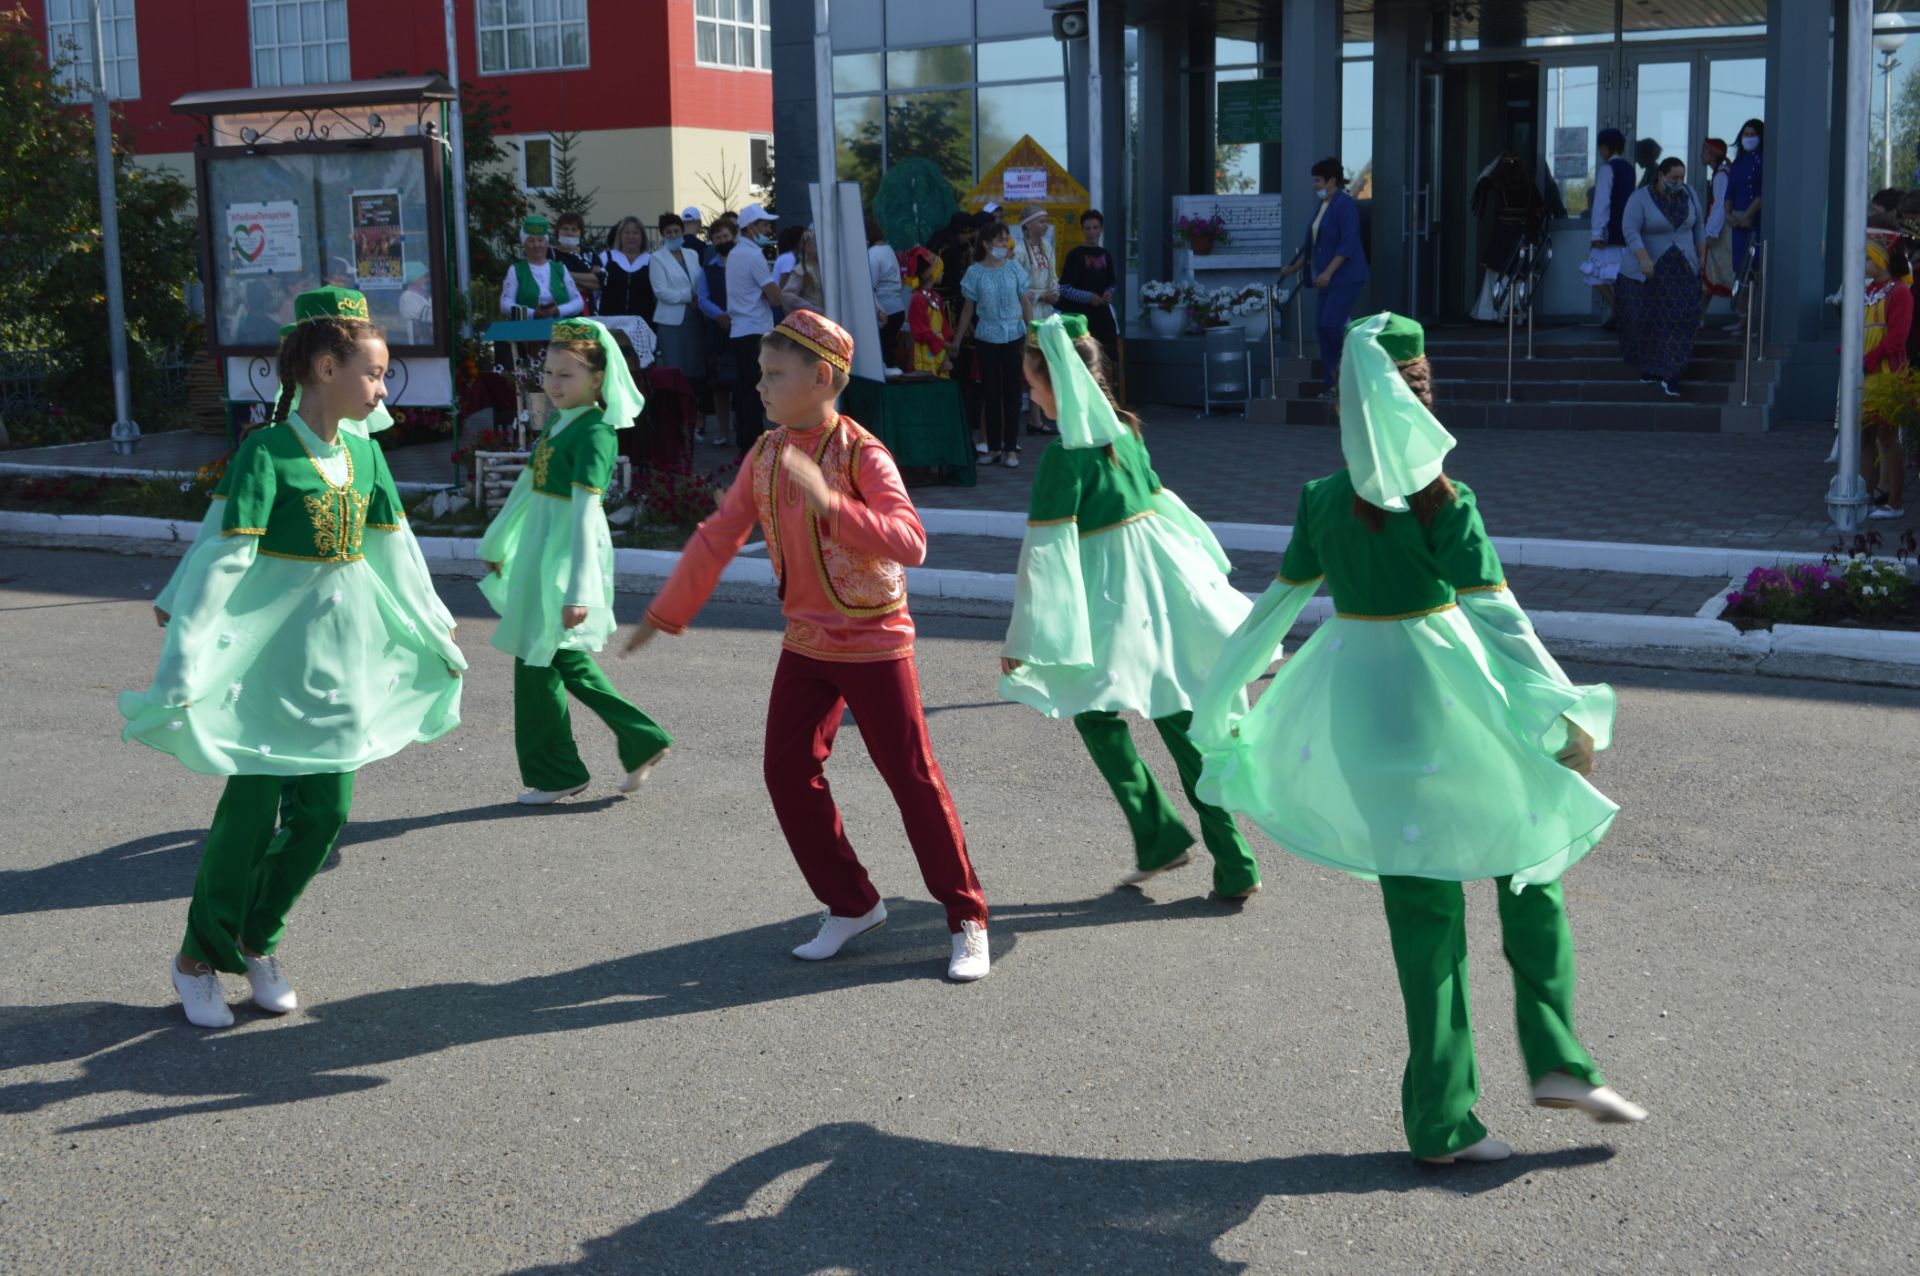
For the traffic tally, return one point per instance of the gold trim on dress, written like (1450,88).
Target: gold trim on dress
(813,535)
(244,531)
(1311,580)
(585,488)
(1481,589)
(1052,522)
(1406,615)
(383,527)
(309,558)
(1131,518)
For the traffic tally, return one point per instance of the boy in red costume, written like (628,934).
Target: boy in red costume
(841,532)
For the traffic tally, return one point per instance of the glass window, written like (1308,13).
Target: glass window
(918,68)
(1236,165)
(1356,125)
(70,46)
(532,35)
(932,21)
(536,163)
(934,126)
(1039,59)
(1009,112)
(1663,93)
(856,73)
(297,41)
(1736,93)
(1570,121)
(860,143)
(760,161)
(1235,52)
(729,33)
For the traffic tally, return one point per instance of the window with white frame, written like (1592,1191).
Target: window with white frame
(532,35)
(733,33)
(299,42)
(536,163)
(760,161)
(70,46)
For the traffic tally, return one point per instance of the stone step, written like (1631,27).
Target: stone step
(1680,417)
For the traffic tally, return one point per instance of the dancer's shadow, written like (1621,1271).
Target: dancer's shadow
(161,866)
(848,1197)
(150,1050)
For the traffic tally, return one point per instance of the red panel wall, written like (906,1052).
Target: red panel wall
(642,72)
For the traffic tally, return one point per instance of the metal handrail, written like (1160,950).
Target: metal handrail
(1524,271)
(1745,283)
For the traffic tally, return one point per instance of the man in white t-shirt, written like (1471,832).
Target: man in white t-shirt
(751,297)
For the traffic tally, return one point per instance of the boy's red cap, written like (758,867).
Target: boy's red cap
(821,335)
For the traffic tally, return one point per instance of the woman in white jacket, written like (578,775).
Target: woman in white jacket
(675,272)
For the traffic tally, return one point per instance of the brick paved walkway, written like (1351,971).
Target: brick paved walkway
(1540,588)
(1743,491)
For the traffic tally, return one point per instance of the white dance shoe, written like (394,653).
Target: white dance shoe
(969,960)
(271,991)
(1487,1149)
(638,776)
(1558,1090)
(547,797)
(836,931)
(201,996)
(1145,875)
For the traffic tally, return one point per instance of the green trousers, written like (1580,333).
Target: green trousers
(251,876)
(1427,920)
(1158,834)
(543,725)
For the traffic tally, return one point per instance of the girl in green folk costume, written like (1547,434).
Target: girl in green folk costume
(302,643)
(537,283)
(1422,737)
(549,558)
(1122,603)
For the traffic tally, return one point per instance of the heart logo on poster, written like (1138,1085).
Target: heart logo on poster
(249,241)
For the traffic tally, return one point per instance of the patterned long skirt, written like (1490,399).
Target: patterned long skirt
(1660,316)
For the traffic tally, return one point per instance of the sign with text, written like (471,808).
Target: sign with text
(263,238)
(377,245)
(1570,152)
(1021,185)
(1248,112)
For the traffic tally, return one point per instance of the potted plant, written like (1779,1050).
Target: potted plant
(1200,233)
(1165,305)
(1212,307)
(1250,305)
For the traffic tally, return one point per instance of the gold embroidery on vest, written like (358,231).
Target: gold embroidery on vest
(339,517)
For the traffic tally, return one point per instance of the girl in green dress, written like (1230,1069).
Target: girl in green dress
(302,642)
(1121,603)
(549,558)
(1423,737)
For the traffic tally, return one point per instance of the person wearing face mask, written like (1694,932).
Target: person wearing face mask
(695,229)
(751,297)
(1339,265)
(710,292)
(1743,194)
(675,271)
(1659,293)
(569,249)
(538,284)
(997,311)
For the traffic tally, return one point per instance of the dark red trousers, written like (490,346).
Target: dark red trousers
(802,720)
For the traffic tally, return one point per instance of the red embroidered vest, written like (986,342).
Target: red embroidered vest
(858,583)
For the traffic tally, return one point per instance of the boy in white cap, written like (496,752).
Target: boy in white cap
(751,298)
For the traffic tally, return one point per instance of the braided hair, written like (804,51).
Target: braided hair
(302,348)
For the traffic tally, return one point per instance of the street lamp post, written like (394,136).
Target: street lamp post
(125,434)
(1888,36)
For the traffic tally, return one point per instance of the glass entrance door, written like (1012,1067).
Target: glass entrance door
(1422,195)
(1577,100)
(1661,91)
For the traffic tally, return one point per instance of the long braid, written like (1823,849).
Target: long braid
(283,405)
(310,339)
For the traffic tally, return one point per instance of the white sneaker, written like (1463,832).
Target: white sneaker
(1013,461)
(202,997)
(969,960)
(271,991)
(1487,1149)
(836,931)
(1558,1090)
(1888,511)
(547,797)
(1146,875)
(979,449)
(638,776)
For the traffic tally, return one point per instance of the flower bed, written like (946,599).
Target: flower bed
(1850,589)
(100,494)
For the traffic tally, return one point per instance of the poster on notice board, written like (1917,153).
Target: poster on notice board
(378,248)
(263,238)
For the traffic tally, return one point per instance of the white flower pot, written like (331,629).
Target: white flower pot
(1166,323)
(1256,325)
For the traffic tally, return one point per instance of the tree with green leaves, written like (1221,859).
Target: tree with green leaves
(566,195)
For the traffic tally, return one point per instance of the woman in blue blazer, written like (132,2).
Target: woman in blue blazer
(1339,264)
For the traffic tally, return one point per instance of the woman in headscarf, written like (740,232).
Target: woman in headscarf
(1122,603)
(1422,737)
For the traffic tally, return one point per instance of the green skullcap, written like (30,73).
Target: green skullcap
(1402,338)
(1393,446)
(618,391)
(327,303)
(1085,417)
(1075,327)
(534,226)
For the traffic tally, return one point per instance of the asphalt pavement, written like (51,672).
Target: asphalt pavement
(572,1040)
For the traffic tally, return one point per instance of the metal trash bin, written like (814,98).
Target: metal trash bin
(1226,373)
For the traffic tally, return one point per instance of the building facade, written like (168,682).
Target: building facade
(668,99)
(1415,97)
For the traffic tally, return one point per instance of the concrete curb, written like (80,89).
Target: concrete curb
(410,488)
(1533,551)
(991,592)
